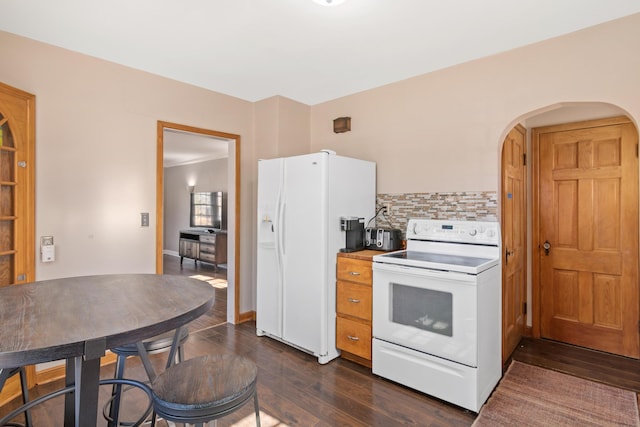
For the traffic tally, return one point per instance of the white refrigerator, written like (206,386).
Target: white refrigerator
(300,202)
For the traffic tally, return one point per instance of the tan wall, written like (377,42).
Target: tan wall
(295,127)
(96,155)
(443,131)
(282,128)
(96,130)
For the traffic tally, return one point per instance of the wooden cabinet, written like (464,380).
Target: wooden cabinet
(203,246)
(353,305)
(188,248)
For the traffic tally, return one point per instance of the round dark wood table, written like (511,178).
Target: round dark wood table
(79,318)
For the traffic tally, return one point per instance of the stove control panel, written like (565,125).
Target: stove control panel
(479,232)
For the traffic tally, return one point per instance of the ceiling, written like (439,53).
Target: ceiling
(184,148)
(255,49)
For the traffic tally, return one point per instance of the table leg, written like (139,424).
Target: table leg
(81,406)
(87,398)
(69,406)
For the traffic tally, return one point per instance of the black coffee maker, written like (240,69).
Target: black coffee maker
(354,232)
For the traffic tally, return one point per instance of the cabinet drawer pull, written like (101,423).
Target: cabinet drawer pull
(354,273)
(353,338)
(353,300)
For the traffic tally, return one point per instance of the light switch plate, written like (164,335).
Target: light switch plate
(144,219)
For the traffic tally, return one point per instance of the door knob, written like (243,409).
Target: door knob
(507,254)
(546,247)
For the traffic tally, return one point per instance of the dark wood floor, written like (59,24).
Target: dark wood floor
(294,390)
(618,371)
(217,277)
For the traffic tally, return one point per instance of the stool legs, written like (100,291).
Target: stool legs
(257,407)
(5,374)
(114,409)
(25,396)
(176,355)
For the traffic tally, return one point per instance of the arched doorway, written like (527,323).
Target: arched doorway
(531,310)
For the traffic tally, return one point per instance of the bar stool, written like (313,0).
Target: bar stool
(204,389)
(5,420)
(7,373)
(157,344)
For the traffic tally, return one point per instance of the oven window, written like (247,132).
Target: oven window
(425,309)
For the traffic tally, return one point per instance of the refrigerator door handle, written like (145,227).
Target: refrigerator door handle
(283,214)
(278,237)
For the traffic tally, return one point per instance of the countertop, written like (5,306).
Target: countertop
(365,254)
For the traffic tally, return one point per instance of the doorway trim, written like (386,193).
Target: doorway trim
(160,200)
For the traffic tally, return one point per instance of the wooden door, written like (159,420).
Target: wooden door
(514,285)
(588,234)
(17,190)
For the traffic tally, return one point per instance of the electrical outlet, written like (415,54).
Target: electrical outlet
(386,208)
(144,219)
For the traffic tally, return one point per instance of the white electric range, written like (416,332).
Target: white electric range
(437,311)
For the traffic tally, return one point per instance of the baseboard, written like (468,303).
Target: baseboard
(11,390)
(355,358)
(247,316)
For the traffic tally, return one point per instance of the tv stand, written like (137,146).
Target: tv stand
(203,245)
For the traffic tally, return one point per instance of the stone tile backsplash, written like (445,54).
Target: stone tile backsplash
(469,205)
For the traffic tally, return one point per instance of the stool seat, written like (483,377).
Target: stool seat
(153,345)
(205,388)
(157,344)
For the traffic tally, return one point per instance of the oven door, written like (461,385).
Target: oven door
(431,311)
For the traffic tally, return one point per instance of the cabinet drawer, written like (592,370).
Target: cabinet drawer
(210,249)
(208,238)
(353,337)
(354,270)
(354,300)
(207,257)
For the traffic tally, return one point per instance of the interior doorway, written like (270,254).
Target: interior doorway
(233,205)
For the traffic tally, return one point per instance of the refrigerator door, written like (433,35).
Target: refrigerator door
(304,237)
(269,262)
